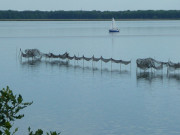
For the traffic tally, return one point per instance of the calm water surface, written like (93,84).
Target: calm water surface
(77,101)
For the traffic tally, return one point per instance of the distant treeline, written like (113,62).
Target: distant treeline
(139,14)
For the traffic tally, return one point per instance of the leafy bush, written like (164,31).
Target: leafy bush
(10,106)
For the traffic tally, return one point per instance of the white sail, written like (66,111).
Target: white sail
(113,27)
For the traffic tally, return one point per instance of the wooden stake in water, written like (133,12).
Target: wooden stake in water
(83,61)
(20,55)
(120,67)
(92,62)
(78,56)
(101,64)
(111,65)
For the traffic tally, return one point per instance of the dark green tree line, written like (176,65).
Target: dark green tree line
(139,14)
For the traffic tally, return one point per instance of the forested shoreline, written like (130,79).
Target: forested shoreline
(50,15)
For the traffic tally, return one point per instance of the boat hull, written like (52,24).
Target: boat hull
(113,30)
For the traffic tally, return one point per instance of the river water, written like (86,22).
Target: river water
(90,100)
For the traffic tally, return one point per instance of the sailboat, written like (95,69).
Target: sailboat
(113,27)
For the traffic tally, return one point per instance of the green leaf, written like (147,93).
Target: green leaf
(39,132)
(7,125)
(20,99)
(15,131)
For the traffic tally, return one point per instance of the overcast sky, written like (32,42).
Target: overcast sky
(115,5)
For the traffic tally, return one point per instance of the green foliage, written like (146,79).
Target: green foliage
(138,14)
(40,132)
(10,106)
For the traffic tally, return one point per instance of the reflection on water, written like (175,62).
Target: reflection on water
(174,77)
(151,77)
(148,76)
(68,65)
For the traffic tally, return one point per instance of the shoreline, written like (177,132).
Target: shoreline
(88,19)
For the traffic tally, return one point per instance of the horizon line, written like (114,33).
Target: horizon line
(94,10)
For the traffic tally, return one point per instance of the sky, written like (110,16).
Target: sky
(102,5)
